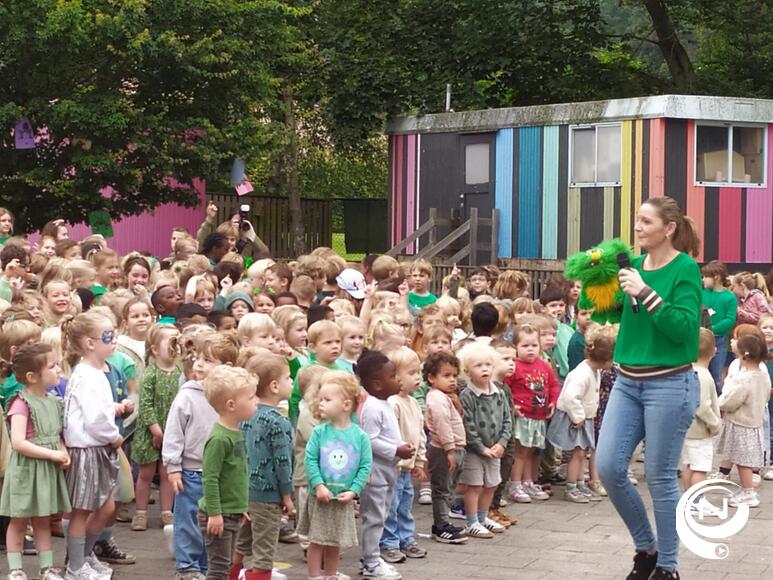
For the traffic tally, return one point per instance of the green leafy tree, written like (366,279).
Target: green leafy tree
(124,95)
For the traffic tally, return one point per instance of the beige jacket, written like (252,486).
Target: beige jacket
(744,398)
(707,420)
(445,424)
(411,423)
(579,396)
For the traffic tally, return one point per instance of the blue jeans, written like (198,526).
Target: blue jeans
(717,363)
(399,526)
(189,551)
(660,411)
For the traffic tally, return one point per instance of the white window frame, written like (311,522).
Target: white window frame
(595,127)
(729,126)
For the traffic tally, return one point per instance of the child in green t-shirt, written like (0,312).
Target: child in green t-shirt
(231,391)
(420,296)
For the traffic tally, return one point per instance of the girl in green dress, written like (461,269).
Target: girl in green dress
(35,486)
(157,391)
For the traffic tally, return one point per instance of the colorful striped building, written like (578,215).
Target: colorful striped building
(564,177)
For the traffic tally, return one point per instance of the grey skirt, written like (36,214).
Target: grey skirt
(742,445)
(91,477)
(563,435)
(328,524)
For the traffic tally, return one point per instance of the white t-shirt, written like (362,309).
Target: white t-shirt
(89,411)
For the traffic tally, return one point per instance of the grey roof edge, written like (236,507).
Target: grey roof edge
(674,106)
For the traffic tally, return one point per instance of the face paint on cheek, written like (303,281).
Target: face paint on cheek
(108,336)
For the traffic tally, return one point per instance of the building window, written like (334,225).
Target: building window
(730,155)
(595,154)
(476,164)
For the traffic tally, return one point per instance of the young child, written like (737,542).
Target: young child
(92,437)
(447,441)
(377,419)
(398,540)
(572,427)
(575,351)
(325,346)
(230,391)
(722,305)
(239,304)
(188,424)
(488,427)
(278,277)
(553,299)
(338,459)
(34,485)
(352,341)
(698,450)
(535,391)
(257,330)
(743,400)
(479,283)
(269,439)
(166,300)
(308,384)
(505,367)
(766,327)
(420,296)
(160,384)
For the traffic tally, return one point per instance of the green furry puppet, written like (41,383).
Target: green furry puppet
(597,270)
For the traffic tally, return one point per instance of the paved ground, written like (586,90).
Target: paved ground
(553,539)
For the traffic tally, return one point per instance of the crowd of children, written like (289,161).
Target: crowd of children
(256,393)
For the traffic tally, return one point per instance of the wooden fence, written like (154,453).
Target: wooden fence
(540,272)
(270,216)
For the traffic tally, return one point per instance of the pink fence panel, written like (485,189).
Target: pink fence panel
(149,231)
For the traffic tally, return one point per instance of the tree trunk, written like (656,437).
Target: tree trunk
(291,171)
(674,53)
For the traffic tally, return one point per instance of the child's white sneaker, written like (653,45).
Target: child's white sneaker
(574,495)
(518,494)
(477,530)
(53,574)
(17,575)
(588,492)
(768,476)
(756,479)
(425,496)
(99,567)
(749,498)
(381,570)
(535,491)
(632,477)
(493,526)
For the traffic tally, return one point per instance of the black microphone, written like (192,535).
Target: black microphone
(624,262)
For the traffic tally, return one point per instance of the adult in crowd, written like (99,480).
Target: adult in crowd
(657,390)
(240,233)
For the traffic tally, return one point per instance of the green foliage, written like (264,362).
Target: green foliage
(129,93)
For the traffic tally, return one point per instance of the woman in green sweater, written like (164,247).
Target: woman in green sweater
(723,307)
(657,391)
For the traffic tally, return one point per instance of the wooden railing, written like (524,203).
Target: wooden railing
(468,252)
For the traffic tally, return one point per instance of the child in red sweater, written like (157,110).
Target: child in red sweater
(535,391)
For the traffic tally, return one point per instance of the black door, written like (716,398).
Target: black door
(477,185)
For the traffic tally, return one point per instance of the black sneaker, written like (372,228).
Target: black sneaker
(661,574)
(448,534)
(287,535)
(643,565)
(108,551)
